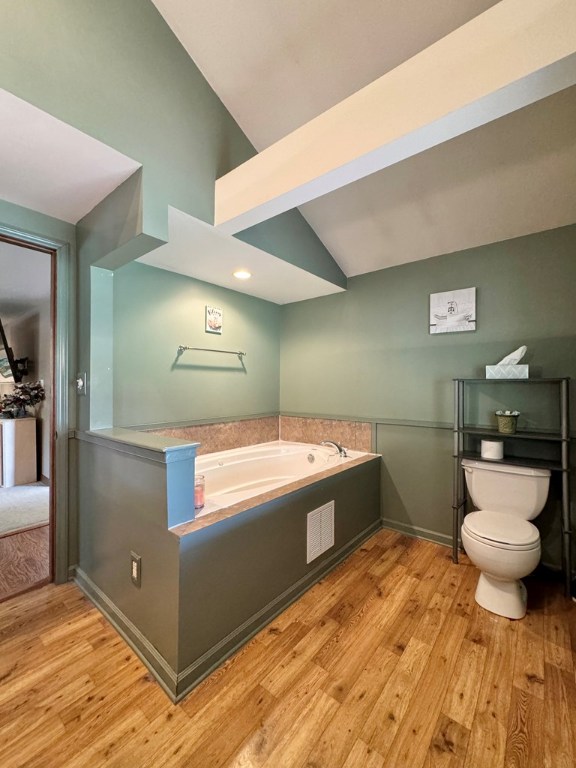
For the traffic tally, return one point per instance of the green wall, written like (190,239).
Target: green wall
(116,71)
(367,354)
(155,312)
(31,222)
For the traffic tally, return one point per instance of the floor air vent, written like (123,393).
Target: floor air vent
(320,533)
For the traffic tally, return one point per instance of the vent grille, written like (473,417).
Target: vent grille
(320,532)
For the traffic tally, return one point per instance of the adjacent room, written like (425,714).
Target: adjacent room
(25,407)
(288,349)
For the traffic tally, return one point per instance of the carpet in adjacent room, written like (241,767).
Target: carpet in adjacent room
(23,507)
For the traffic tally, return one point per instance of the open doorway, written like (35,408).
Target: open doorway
(27,300)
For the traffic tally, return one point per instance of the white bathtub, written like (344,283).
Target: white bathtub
(236,475)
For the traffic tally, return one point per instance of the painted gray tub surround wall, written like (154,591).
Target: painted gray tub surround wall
(124,507)
(205,593)
(252,566)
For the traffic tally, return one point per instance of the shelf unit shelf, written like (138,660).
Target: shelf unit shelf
(514,381)
(554,466)
(557,441)
(491,432)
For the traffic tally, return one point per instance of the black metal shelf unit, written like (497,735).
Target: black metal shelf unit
(558,458)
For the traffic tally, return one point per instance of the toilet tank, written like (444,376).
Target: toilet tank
(507,488)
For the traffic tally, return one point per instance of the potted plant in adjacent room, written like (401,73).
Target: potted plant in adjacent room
(22,401)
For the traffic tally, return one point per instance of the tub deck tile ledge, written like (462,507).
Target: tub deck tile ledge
(225,513)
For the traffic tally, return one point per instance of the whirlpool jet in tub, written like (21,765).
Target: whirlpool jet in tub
(236,475)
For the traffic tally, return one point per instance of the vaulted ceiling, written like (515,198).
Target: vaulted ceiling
(284,68)
(277,65)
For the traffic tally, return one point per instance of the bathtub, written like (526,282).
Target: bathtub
(236,475)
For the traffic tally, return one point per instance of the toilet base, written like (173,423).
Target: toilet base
(505,598)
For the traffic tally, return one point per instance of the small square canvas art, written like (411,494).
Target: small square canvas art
(453,311)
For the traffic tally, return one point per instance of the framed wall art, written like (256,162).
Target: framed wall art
(453,311)
(213,319)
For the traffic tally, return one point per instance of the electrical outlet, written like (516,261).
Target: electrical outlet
(136,569)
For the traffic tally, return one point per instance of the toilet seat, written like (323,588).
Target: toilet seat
(501,530)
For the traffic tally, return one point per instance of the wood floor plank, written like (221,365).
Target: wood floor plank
(488,734)
(448,745)
(464,601)
(430,624)
(363,756)
(337,740)
(558,648)
(302,732)
(297,704)
(417,551)
(529,661)
(352,599)
(148,746)
(230,730)
(353,675)
(397,633)
(559,718)
(524,745)
(343,656)
(383,722)
(30,740)
(389,558)
(284,674)
(412,740)
(452,579)
(324,596)
(108,744)
(462,695)
(240,674)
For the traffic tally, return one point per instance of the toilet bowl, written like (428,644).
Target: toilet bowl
(499,539)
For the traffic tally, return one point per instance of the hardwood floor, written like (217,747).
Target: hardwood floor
(24,561)
(387,663)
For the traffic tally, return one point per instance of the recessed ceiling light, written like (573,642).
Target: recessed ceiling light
(242,274)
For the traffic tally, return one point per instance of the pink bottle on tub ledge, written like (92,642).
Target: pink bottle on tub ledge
(199,491)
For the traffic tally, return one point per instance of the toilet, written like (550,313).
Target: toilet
(499,538)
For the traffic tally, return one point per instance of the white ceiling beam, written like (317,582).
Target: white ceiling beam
(514,54)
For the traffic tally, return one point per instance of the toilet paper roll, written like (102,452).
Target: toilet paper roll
(492,449)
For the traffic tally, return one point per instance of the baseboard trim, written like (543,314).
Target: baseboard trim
(417,532)
(190,677)
(177,685)
(154,661)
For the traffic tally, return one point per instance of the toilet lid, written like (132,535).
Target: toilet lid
(504,530)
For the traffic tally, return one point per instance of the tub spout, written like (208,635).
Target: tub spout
(339,448)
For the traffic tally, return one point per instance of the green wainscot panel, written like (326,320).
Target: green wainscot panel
(416,480)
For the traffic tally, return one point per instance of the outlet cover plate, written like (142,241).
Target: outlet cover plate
(136,569)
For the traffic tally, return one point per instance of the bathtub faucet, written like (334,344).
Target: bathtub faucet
(341,451)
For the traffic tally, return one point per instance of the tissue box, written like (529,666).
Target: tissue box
(507,371)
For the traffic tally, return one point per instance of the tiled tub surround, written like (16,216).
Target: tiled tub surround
(223,436)
(356,435)
(209,585)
